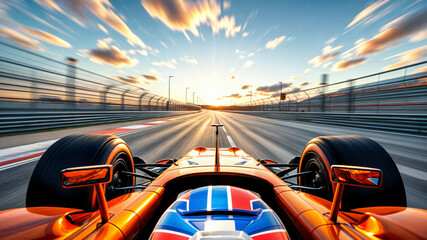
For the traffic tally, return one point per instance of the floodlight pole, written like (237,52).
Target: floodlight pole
(280,101)
(186,94)
(169,100)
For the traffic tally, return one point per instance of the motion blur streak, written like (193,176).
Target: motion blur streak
(273,139)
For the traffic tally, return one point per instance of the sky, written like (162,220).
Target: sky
(222,50)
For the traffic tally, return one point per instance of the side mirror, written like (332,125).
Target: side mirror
(88,176)
(357,176)
(351,175)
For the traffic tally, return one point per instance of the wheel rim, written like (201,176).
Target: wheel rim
(119,179)
(318,178)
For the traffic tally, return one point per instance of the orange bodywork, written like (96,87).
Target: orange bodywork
(304,214)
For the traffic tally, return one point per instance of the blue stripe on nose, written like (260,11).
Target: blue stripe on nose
(219,198)
(198,199)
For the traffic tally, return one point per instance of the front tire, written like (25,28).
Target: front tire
(45,187)
(323,152)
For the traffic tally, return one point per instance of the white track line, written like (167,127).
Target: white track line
(230,140)
(15,164)
(24,150)
(412,172)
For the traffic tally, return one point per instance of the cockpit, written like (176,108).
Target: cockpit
(219,212)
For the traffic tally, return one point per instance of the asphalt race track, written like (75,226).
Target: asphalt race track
(261,137)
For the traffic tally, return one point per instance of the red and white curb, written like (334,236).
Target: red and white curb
(16,156)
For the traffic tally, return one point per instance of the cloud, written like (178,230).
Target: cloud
(45,37)
(238,51)
(226,5)
(129,79)
(328,53)
(185,15)
(392,23)
(245,34)
(327,64)
(304,84)
(163,44)
(408,27)
(307,70)
(379,15)
(150,77)
(359,41)
(272,88)
(419,36)
(316,61)
(294,78)
(4,16)
(244,54)
(154,71)
(234,95)
(275,42)
(244,87)
(331,40)
(170,64)
(290,90)
(142,52)
(102,28)
(352,51)
(102,9)
(20,6)
(342,65)
(248,64)
(408,57)
(228,24)
(19,39)
(329,49)
(366,13)
(50,4)
(111,55)
(188,60)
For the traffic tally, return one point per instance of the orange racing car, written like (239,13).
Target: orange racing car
(91,187)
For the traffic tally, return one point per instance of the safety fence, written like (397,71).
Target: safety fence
(389,122)
(402,89)
(22,121)
(30,81)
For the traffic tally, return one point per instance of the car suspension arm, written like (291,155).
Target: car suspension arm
(296,175)
(138,175)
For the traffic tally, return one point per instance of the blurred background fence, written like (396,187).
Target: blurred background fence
(399,90)
(37,92)
(29,81)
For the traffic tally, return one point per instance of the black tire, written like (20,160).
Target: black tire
(45,187)
(323,152)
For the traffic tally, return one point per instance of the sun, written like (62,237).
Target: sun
(218,102)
